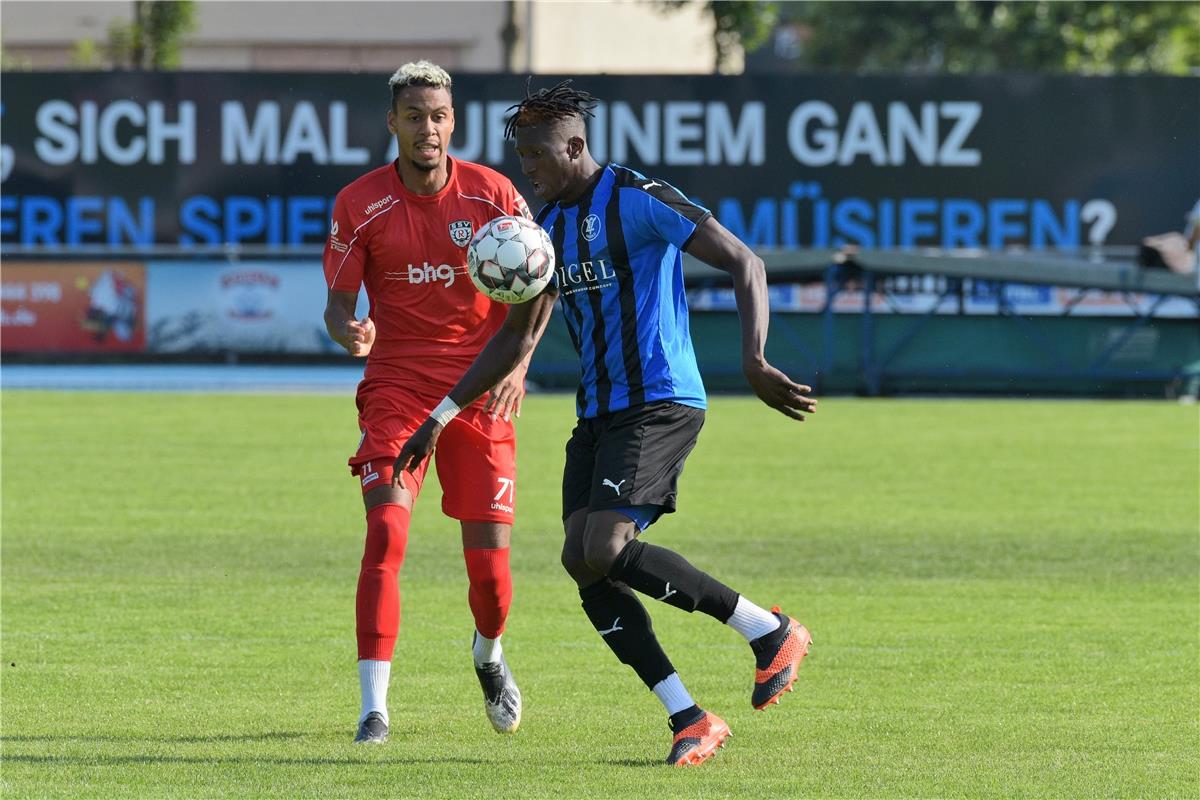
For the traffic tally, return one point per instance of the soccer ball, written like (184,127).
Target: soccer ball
(511,259)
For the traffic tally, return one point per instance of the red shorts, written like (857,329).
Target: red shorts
(476,456)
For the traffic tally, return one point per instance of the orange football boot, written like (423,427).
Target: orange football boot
(696,742)
(778,662)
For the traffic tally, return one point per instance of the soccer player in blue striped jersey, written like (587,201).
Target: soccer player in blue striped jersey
(618,239)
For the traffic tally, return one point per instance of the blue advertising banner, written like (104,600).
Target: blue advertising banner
(185,159)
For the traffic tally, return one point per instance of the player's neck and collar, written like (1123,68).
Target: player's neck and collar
(590,175)
(415,184)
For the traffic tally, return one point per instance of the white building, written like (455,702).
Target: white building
(547,36)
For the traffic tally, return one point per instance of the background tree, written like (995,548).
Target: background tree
(738,25)
(11,63)
(971,36)
(153,38)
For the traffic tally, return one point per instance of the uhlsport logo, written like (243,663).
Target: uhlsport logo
(461,231)
(378,204)
(427,273)
(590,227)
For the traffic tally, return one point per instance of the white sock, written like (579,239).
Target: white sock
(485,650)
(373,677)
(671,693)
(751,621)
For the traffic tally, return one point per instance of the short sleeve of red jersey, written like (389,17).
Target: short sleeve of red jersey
(344,253)
(517,206)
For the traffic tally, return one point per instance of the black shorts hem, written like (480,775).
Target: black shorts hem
(666,506)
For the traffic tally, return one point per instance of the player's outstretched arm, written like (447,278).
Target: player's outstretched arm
(504,399)
(357,336)
(716,246)
(508,347)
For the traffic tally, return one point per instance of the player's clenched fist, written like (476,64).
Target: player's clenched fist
(359,337)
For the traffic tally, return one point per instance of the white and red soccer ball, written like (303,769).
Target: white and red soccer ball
(511,259)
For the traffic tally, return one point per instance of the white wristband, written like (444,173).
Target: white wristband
(445,411)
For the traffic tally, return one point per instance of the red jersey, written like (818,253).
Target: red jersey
(410,251)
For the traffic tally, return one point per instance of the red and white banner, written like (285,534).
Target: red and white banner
(72,307)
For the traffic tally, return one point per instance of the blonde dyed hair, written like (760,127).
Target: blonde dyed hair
(419,73)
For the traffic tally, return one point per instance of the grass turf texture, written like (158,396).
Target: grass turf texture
(1003,596)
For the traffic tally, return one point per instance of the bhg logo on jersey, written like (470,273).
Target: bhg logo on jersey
(427,273)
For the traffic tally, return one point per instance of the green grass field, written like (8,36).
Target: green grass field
(1004,596)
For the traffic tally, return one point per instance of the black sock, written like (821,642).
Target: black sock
(665,575)
(621,620)
(681,719)
(765,646)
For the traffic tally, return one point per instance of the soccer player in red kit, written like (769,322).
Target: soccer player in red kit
(402,231)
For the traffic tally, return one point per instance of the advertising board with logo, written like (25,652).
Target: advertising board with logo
(72,307)
(253,307)
(922,294)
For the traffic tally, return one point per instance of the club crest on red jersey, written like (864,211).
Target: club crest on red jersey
(461,232)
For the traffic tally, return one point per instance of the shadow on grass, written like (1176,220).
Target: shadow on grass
(635,762)
(302,762)
(271,736)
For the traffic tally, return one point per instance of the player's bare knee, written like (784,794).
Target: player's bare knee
(576,566)
(604,538)
(486,535)
(388,494)
(601,550)
(571,558)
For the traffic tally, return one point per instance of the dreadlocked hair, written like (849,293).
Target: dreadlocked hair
(546,105)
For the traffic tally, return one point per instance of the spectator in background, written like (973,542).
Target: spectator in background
(1178,252)
(1193,234)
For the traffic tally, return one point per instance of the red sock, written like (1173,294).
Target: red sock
(377,607)
(491,588)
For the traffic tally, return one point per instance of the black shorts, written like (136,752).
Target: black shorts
(629,458)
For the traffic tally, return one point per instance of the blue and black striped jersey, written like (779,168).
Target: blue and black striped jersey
(620,278)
